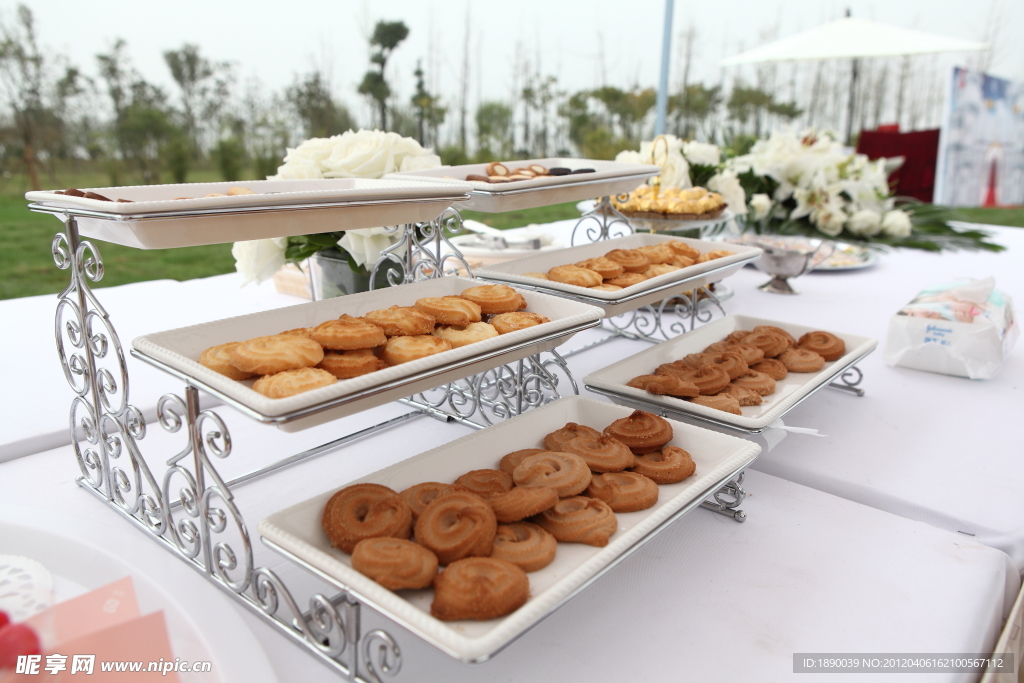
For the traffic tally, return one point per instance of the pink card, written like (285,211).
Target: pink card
(96,610)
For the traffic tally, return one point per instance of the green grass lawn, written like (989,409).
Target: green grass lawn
(28,269)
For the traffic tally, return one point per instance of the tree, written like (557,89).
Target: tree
(493,130)
(205,88)
(695,105)
(23,74)
(314,105)
(429,112)
(386,37)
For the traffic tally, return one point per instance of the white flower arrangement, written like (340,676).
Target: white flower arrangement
(360,154)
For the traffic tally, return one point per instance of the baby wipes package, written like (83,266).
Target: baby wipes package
(964,328)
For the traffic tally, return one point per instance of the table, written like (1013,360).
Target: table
(808,572)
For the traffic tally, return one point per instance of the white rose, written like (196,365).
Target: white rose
(675,172)
(422,162)
(259,259)
(760,204)
(628,156)
(366,245)
(301,170)
(728,185)
(865,223)
(829,220)
(897,224)
(702,153)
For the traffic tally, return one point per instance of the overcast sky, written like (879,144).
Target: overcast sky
(276,40)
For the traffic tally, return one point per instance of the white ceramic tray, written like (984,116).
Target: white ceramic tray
(797,386)
(629,298)
(154,219)
(608,178)
(177,351)
(297,529)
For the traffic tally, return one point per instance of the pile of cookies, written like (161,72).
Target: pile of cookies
(308,358)
(492,526)
(72,192)
(621,268)
(498,172)
(695,203)
(741,368)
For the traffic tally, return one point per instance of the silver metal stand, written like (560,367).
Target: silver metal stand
(728,499)
(849,381)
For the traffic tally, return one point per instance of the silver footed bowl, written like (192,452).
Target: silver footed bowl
(787,258)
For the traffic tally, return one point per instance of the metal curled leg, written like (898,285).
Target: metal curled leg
(849,380)
(728,499)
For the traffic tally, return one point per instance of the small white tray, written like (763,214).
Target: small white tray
(154,219)
(611,381)
(608,178)
(177,351)
(629,298)
(297,529)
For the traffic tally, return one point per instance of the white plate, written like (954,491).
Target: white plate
(608,178)
(611,380)
(298,531)
(156,220)
(629,298)
(854,257)
(197,631)
(179,350)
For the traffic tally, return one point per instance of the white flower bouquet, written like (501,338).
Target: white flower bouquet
(360,154)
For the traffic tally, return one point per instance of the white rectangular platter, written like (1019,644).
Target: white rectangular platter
(629,298)
(608,178)
(156,219)
(611,381)
(297,530)
(178,352)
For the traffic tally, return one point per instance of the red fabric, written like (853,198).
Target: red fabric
(916,178)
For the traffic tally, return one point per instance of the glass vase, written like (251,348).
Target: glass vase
(330,275)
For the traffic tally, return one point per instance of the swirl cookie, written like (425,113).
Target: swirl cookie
(519,320)
(770,343)
(601,453)
(401,321)
(365,511)
(664,385)
(627,280)
(606,288)
(623,491)
(485,483)
(658,253)
(667,466)
(604,267)
(660,269)
(558,438)
(419,496)
(713,254)
(566,473)
(727,404)
(449,310)
(750,354)
(522,502)
(579,520)
(779,331)
(510,462)
(709,378)
(348,364)
(479,588)
(574,275)
(348,334)
(730,361)
(825,344)
(400,350)
(395,563)
(743,395)
(641,432)
(270,355)
(292,382)
(681,248)
(773,367)
(218,359)
(756,381)
(461,336)
(525,545)
(495,298)
(631,260)
(801,360)
(456,525)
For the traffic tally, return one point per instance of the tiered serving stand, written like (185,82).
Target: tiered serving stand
(188,506)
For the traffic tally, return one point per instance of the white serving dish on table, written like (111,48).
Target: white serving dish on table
(629,298)
(797,386)
(154,219)
(177,351)
(608,178)
(297,532)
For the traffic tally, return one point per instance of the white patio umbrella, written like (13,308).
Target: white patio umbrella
(851,38)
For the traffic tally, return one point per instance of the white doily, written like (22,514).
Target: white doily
(26,587)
